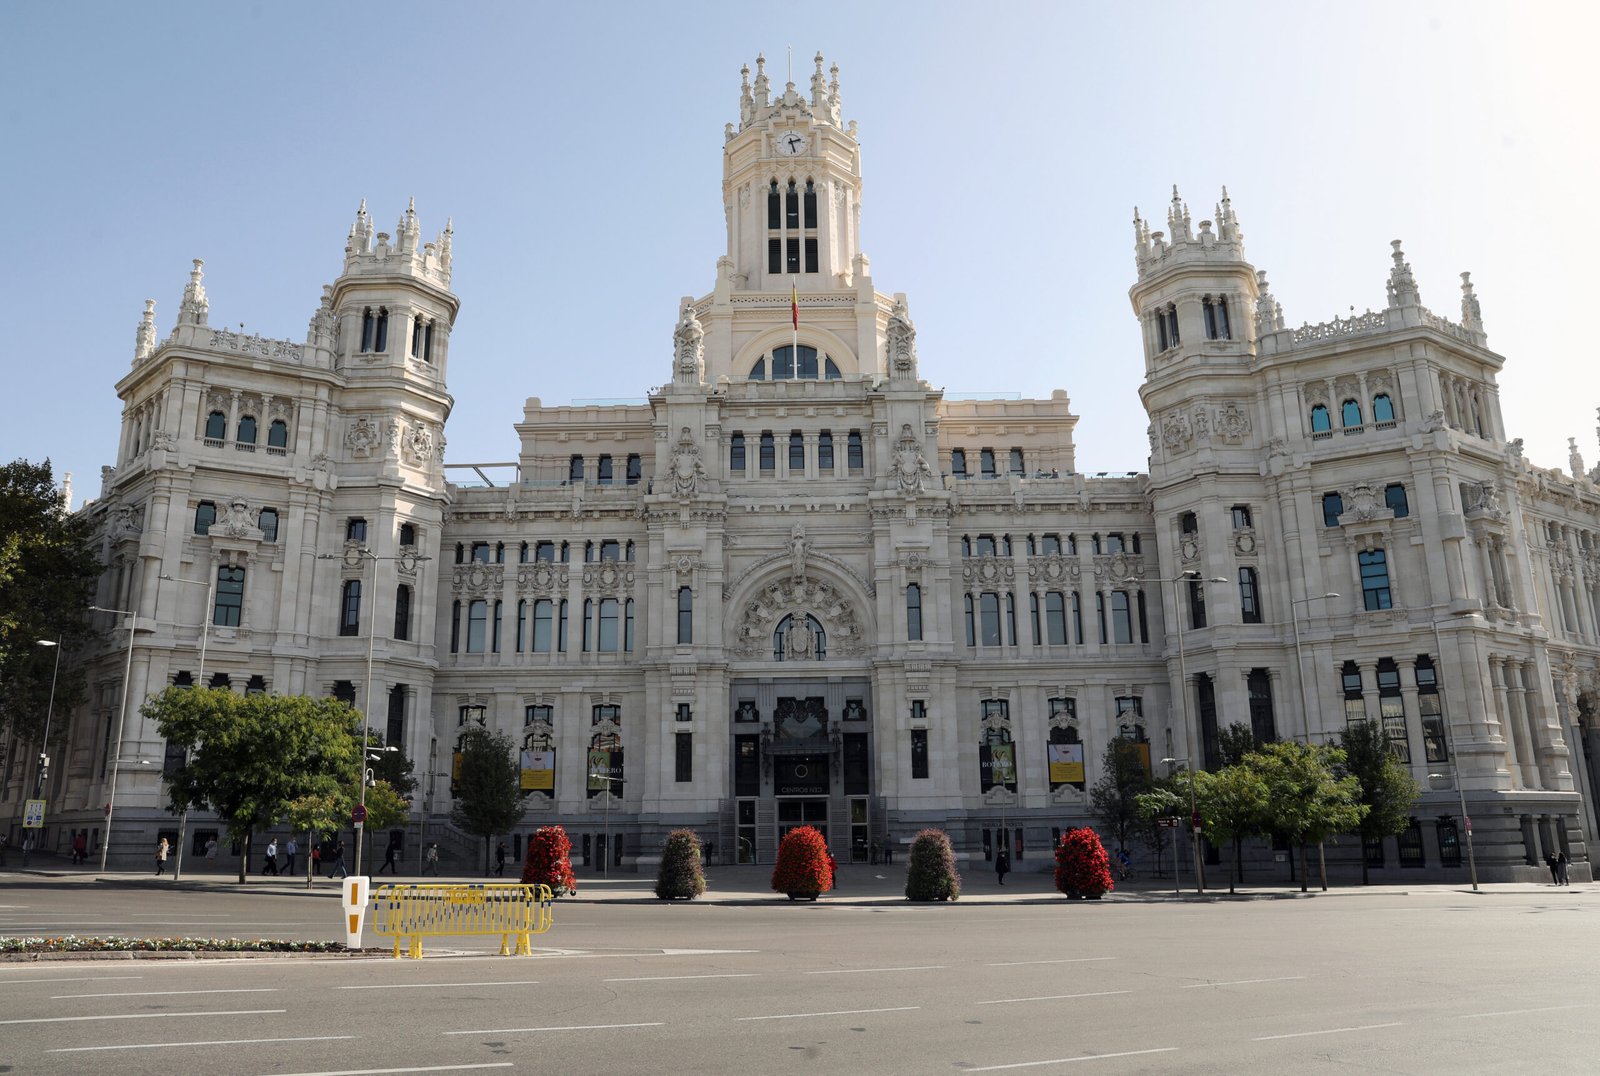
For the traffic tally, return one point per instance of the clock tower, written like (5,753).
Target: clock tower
(792,188)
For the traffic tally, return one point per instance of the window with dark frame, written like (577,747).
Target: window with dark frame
(1392,711)
(683,769)
(228,602)
(1430,709)
(1374,568)
(913,613)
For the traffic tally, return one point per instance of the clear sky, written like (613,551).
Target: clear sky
(578,148)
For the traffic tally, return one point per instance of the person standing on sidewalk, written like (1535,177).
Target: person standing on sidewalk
(500,860)
(1002,865)
(269,865)
(211,853)
(290,850)
(430,860)
(339,870)
(389,855)
(1561,869)
(161,857)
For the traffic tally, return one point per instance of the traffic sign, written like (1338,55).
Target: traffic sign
(358,813)
(33,814)
(1168,823)
(1194,820)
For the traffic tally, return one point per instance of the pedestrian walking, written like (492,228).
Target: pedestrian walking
(2,849)
(339,870)
(290,850)
(161,857)
(1002,865)
(833,869)
(316,859)
(389,859)
(1561,869)
(211,853)
(430,860)
(27,848)
(80,847)
(500,860)
(1555,868)
(269,865)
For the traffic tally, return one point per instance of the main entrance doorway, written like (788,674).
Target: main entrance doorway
(794,813)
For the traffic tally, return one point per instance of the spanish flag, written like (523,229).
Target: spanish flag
(794,303)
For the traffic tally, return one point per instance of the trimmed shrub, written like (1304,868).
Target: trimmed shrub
(680,877)
(931,871)
(547,861)
(1082,867)
(803,868)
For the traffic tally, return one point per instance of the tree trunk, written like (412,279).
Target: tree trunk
(310,836)
(1235,870)
(1322,864)
(488,852)
(1238,862)
(1365,875)
(244,860)
(1303,876)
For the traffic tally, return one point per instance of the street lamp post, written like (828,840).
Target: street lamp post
(40,774)
(1305,706)
(1455,766)
(122,721)
(410,561)
(605,859)
(200,680)
(1183,710)
(1176,869)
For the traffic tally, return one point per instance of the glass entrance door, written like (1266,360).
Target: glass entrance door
(794,813)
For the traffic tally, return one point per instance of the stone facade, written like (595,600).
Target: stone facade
(805,586)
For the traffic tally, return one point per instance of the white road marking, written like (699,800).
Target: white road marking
(1245,982)
(1519,1012)
(571,1027)
(840,1012)
(864,971)
(435,986)
(164,993)
(1069,1060)
(1329,1031)
(139,1016)
(209,1042)
(84,979)
(1069,960)
(665,978)
(704,952)
(425,1068)
(1058,997)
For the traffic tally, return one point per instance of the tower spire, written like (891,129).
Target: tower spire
(1402,285)
(819,88)
(761,89)
(195,306)
(144,341)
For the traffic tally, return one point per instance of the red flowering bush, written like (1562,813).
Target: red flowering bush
(547,861)
(1082,867)
(803,868)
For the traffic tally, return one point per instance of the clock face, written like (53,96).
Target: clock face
(791,144)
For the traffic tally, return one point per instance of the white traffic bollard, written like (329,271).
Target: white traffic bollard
(354,896)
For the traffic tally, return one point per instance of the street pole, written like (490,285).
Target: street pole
(200,681)
(39,775)
(1305,704)
(122,721)
(1455,747)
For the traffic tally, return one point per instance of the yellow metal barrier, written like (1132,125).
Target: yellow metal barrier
(414,912)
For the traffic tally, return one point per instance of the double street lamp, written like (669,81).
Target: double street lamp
(200,680)
(122,722)
(1193,578)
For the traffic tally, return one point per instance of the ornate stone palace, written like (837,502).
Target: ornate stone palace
(796,584)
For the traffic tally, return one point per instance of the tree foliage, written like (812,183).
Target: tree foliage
(1234,742)
(253,756)
(488,789)
(47,575)
(1387,789)
(931,868)
(1233,806)
(1306,799)
(680,876)
(1115,797)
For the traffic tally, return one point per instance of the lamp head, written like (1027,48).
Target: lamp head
(45,642)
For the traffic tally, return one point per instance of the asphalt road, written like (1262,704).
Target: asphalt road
(1432,981)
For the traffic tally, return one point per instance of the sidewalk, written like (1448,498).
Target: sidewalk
(857,883)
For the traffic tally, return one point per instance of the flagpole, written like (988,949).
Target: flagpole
(794,316)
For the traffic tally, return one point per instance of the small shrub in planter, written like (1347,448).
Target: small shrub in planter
(547,861)
(803,869)
(680,877)
(1082,867)
(931,870)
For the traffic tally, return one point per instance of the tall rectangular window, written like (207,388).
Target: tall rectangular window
(1077,618)
(395,734)
(1374,565)
(575,470)
(477,625)
(986,462)
(919,754)
(402,612)
(1355,707)
(268,522)
(913,613)
(736,452)
(1100,614)
(853,456)
(588,625)
(1392,710)
(603,471)
(685,616)
(522,626)
(1263,722)
(972,631)
(350,608)
(769,453)
(494,627)
(825,450)
(1197,604)
(542,609)
(355,530)
(797,452)
(1121,622)
(1429,708)
(635,469)
(1017,462)
(455,627)
(989,604)
(1249,598)
(1055,618)
(1332,509)
(683,770)
(958,462)
(228,603)
(561,627)
(1394,496)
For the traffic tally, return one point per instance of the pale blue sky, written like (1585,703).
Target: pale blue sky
(579,151)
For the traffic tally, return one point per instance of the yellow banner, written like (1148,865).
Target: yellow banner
(1066,763)
(538,771)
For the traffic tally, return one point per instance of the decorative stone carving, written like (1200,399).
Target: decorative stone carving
(607,576)
(1189,548)
(478,577)
(901,340)
(1175,430)
(237,522)
(124,523)
(362,437)
(1362,503)
(988,571)
(1053,569)
(815,598)
(541,577)
(689,343)
(1244,542)
(1232,423)
(799,548)
(910,467)
(1434,422)
(688,473)
(418,445)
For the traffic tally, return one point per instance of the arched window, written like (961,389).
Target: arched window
(350,608)
(1350,413)
(783,366)
(216,426)
(368,325)
(381,340)
(278,434)
(1382,408)
(798,638)
(247,430)
(1319,419)
(408,534)
(575,470)
(685,616)
(402,612)
(736,452)
(205,514)
(758,372)
(914,613)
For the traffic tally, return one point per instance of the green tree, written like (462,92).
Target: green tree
(318,813)
(1234,742)
(47,575)
(253,756)
(1168,797)
(488,793)
(1387,789)
(1306,800)
(1233,803)
(1114,798)
(391,765)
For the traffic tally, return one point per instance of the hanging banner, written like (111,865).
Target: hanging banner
(538,771)
(997,765)
(599,769)
(1066,764)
